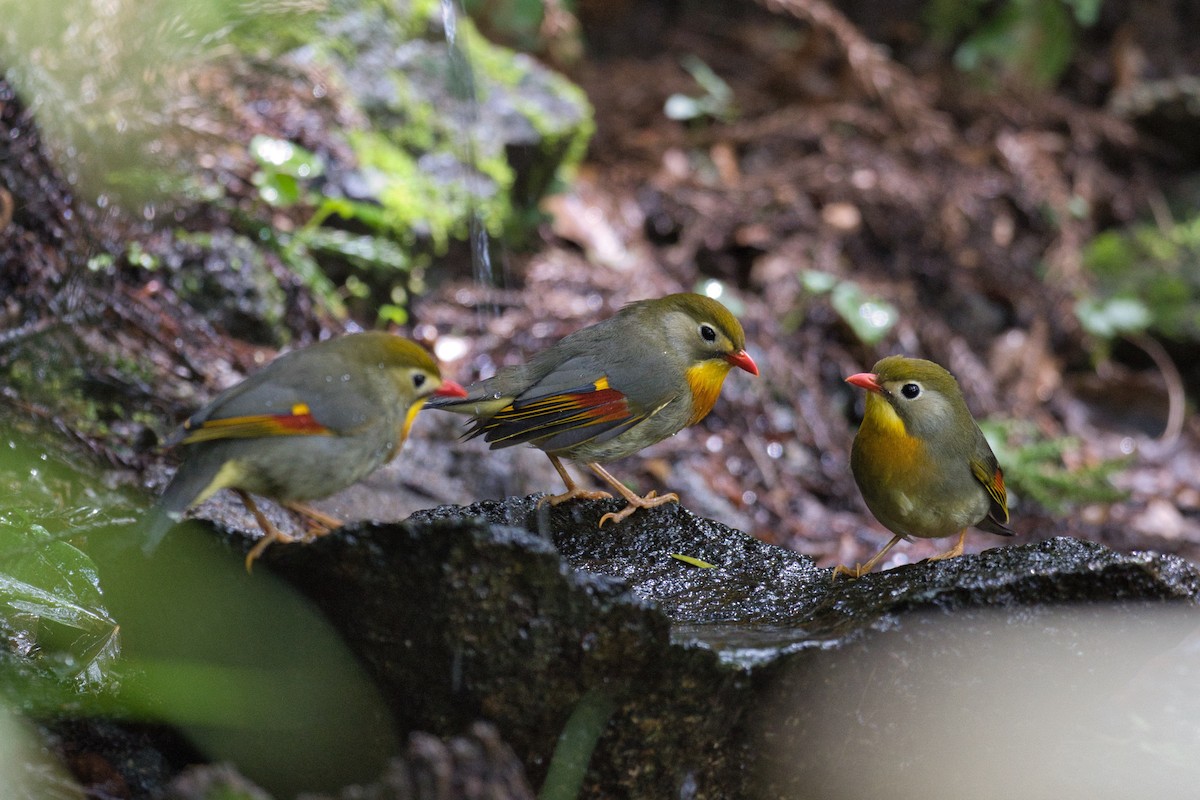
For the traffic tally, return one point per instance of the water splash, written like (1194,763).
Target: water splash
(463,87)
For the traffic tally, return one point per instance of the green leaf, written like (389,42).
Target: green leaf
(50,595)
(716,100)
(1116,315)
(695,562)
(282,157)
(568,765)
(870,318)
(283,168)
(363,251)
(817,282)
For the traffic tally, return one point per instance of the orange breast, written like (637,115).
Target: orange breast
(705,380)
(888,453)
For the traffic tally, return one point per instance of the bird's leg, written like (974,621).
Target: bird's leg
(320,523)
(573,491)
(270,532)
(953,552)
(858,571)
(635,501)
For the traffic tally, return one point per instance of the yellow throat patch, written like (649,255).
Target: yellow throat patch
(409,417)
(885,438)
(705,380)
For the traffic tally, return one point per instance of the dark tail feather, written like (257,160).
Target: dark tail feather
(458,405)
(155,526)
(993,525)
(192,478)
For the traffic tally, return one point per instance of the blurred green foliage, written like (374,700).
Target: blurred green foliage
(516,22)
(714,102)
(870,318)
(50,601)
(1147,279)
(242,665)
(568,766)
(1034,467)
(1029,40)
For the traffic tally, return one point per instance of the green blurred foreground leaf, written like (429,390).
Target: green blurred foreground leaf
(51,600)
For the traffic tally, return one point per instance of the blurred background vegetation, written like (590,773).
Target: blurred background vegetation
(186,187)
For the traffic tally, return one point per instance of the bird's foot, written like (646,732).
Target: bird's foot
(269,536)
(858,571)
(651,500)
(953,552)
(270,532)
(574,493)
(854,574)
(317,522)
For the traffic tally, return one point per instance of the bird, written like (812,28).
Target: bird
(309,424)
(922,464)
(611,389)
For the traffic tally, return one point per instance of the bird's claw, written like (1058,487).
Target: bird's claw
(841,569)
(573,494)
(650,500)
(262,544)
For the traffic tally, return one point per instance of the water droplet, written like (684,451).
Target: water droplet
(774,450)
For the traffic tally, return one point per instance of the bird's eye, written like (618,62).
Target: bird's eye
(910,390)
(708,333)
(418,380)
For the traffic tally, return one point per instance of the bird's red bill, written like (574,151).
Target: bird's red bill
(742,360)
(865,380)
(450,389)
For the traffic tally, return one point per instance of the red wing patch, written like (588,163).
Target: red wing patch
(994,484)
(300,422)
(559,420)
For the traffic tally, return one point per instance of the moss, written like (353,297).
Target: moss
(571,142)
(499,64)
(419,205)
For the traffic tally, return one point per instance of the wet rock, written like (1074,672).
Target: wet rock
(477,766)
(512,612)
(213,782)
(461,618)
(488,131)
(115,758)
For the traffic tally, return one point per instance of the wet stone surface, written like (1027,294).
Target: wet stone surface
(511,612)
